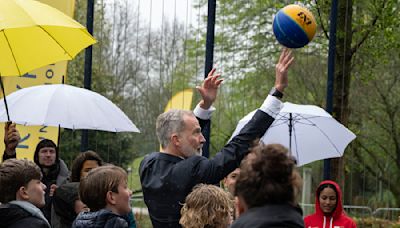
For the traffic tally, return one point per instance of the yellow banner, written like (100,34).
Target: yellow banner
(51,74)
(181,100)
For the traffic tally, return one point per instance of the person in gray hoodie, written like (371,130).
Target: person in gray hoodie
(22,195)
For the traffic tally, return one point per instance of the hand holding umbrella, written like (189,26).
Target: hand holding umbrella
(11,138)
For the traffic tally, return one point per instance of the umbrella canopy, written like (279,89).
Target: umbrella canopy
(33,34)
(65,106)
(308,131)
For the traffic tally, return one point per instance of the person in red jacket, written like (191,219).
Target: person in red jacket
(328,208)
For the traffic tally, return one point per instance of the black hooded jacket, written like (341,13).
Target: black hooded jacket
(58,174)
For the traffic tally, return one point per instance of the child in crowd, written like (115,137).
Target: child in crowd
(104,190)
(66,202)
(22,194)
(207,206)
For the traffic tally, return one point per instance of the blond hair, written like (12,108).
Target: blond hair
(207,206)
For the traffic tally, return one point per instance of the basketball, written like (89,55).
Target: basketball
(294,26)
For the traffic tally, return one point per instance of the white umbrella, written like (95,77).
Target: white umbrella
(65,106)
(308,131)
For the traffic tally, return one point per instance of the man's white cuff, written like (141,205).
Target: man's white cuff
(203,114)
(272,106)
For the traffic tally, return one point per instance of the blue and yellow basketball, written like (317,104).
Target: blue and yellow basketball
(294,26)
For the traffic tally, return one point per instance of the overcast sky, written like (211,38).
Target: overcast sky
(182,10)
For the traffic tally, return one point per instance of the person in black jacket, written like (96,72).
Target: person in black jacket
(22,194)
(267,188)
(105,191)
(167,177)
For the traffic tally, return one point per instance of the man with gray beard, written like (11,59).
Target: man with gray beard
(167,177)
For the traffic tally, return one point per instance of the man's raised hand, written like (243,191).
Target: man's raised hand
(281,69)
(209,89)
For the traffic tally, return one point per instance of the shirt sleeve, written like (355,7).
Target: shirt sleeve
(272,106)
(204,114)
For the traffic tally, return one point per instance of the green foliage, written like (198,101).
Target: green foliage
(139,70)
(133,175)
(384,199)
(371,222)
(114,148)
(247,51)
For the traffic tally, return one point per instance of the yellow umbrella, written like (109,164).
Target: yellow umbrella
(33,34)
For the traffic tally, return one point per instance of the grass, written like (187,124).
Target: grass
(142,220)
(133,175)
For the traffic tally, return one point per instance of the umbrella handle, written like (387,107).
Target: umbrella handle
(290,132)
(59,136)
(5,100)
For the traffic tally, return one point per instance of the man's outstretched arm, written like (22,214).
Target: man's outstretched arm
(230,156)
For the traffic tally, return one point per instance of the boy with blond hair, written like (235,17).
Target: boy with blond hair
(22,194)
(207,206)
(105,191)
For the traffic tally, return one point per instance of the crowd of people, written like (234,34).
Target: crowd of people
(180,187)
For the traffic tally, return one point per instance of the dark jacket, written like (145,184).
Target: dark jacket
(63,209)
(167,180)
(337,218)
(280,215)
(58,174)
(98,219)
(17,216)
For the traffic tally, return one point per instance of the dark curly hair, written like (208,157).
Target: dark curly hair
(268,176)
(77,164)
